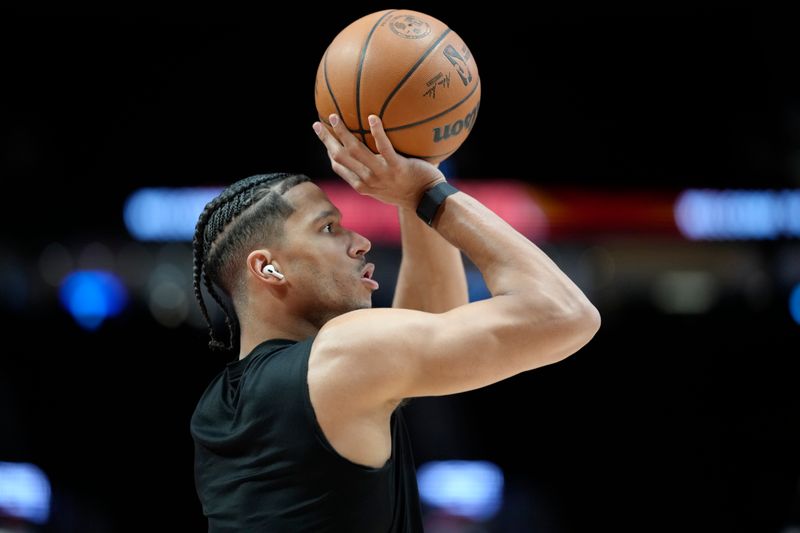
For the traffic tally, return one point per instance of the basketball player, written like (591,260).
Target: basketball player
(303,432)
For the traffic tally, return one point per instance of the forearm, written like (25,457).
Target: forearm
(431,276)
(509,262)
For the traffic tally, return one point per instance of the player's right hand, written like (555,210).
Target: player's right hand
(385,176)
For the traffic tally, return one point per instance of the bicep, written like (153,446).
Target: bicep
(481,343)
(389,354)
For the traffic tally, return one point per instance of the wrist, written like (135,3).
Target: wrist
(432,199)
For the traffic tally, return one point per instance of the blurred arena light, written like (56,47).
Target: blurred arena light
(168,293)
(162,214)
(168,304)
(378,222)
(738,215)
(470,489)
(676,292)
(91,296)
(24,492)
(794,303)
(476,285)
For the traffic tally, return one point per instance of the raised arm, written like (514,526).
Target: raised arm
(431,276)
(536,315)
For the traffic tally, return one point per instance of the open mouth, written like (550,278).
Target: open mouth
(369,269)
(366,276)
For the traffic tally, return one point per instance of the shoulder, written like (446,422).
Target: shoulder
(365,352)
(364,332)
(366,335)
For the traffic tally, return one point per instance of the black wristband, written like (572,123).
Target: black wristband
(432,199)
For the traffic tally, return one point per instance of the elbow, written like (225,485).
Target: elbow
(586,326)
(565,326)
(592,321)
(582,326)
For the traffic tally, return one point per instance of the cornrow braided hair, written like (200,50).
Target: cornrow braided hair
(228,225)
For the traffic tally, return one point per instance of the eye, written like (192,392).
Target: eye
(330,225)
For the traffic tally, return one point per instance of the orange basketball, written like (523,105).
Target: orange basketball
(411,70)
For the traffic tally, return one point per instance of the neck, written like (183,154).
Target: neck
(259,327)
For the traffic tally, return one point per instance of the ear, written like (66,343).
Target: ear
(257,260)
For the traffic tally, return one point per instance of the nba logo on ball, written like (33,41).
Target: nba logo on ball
(411,70)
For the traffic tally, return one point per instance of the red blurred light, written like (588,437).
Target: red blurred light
(379,222)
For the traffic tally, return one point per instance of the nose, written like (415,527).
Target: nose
(360,245)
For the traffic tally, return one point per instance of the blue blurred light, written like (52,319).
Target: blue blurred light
(471,489)
(794,303)
(161,214)
(91,296)
(476,286)
(728,214)
(448,168)
(24,492)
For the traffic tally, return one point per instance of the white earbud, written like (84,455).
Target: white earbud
(269,269)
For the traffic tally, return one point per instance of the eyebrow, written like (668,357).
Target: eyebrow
(325,214)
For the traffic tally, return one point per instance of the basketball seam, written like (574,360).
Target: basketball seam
(437,115)
(404,126)
(361,69)
(412,70)
(356,132)
(330,90)
(404,154)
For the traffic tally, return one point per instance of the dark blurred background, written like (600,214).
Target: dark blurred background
(624,128)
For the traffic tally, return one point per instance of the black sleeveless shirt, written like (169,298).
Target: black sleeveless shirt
(262,462)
